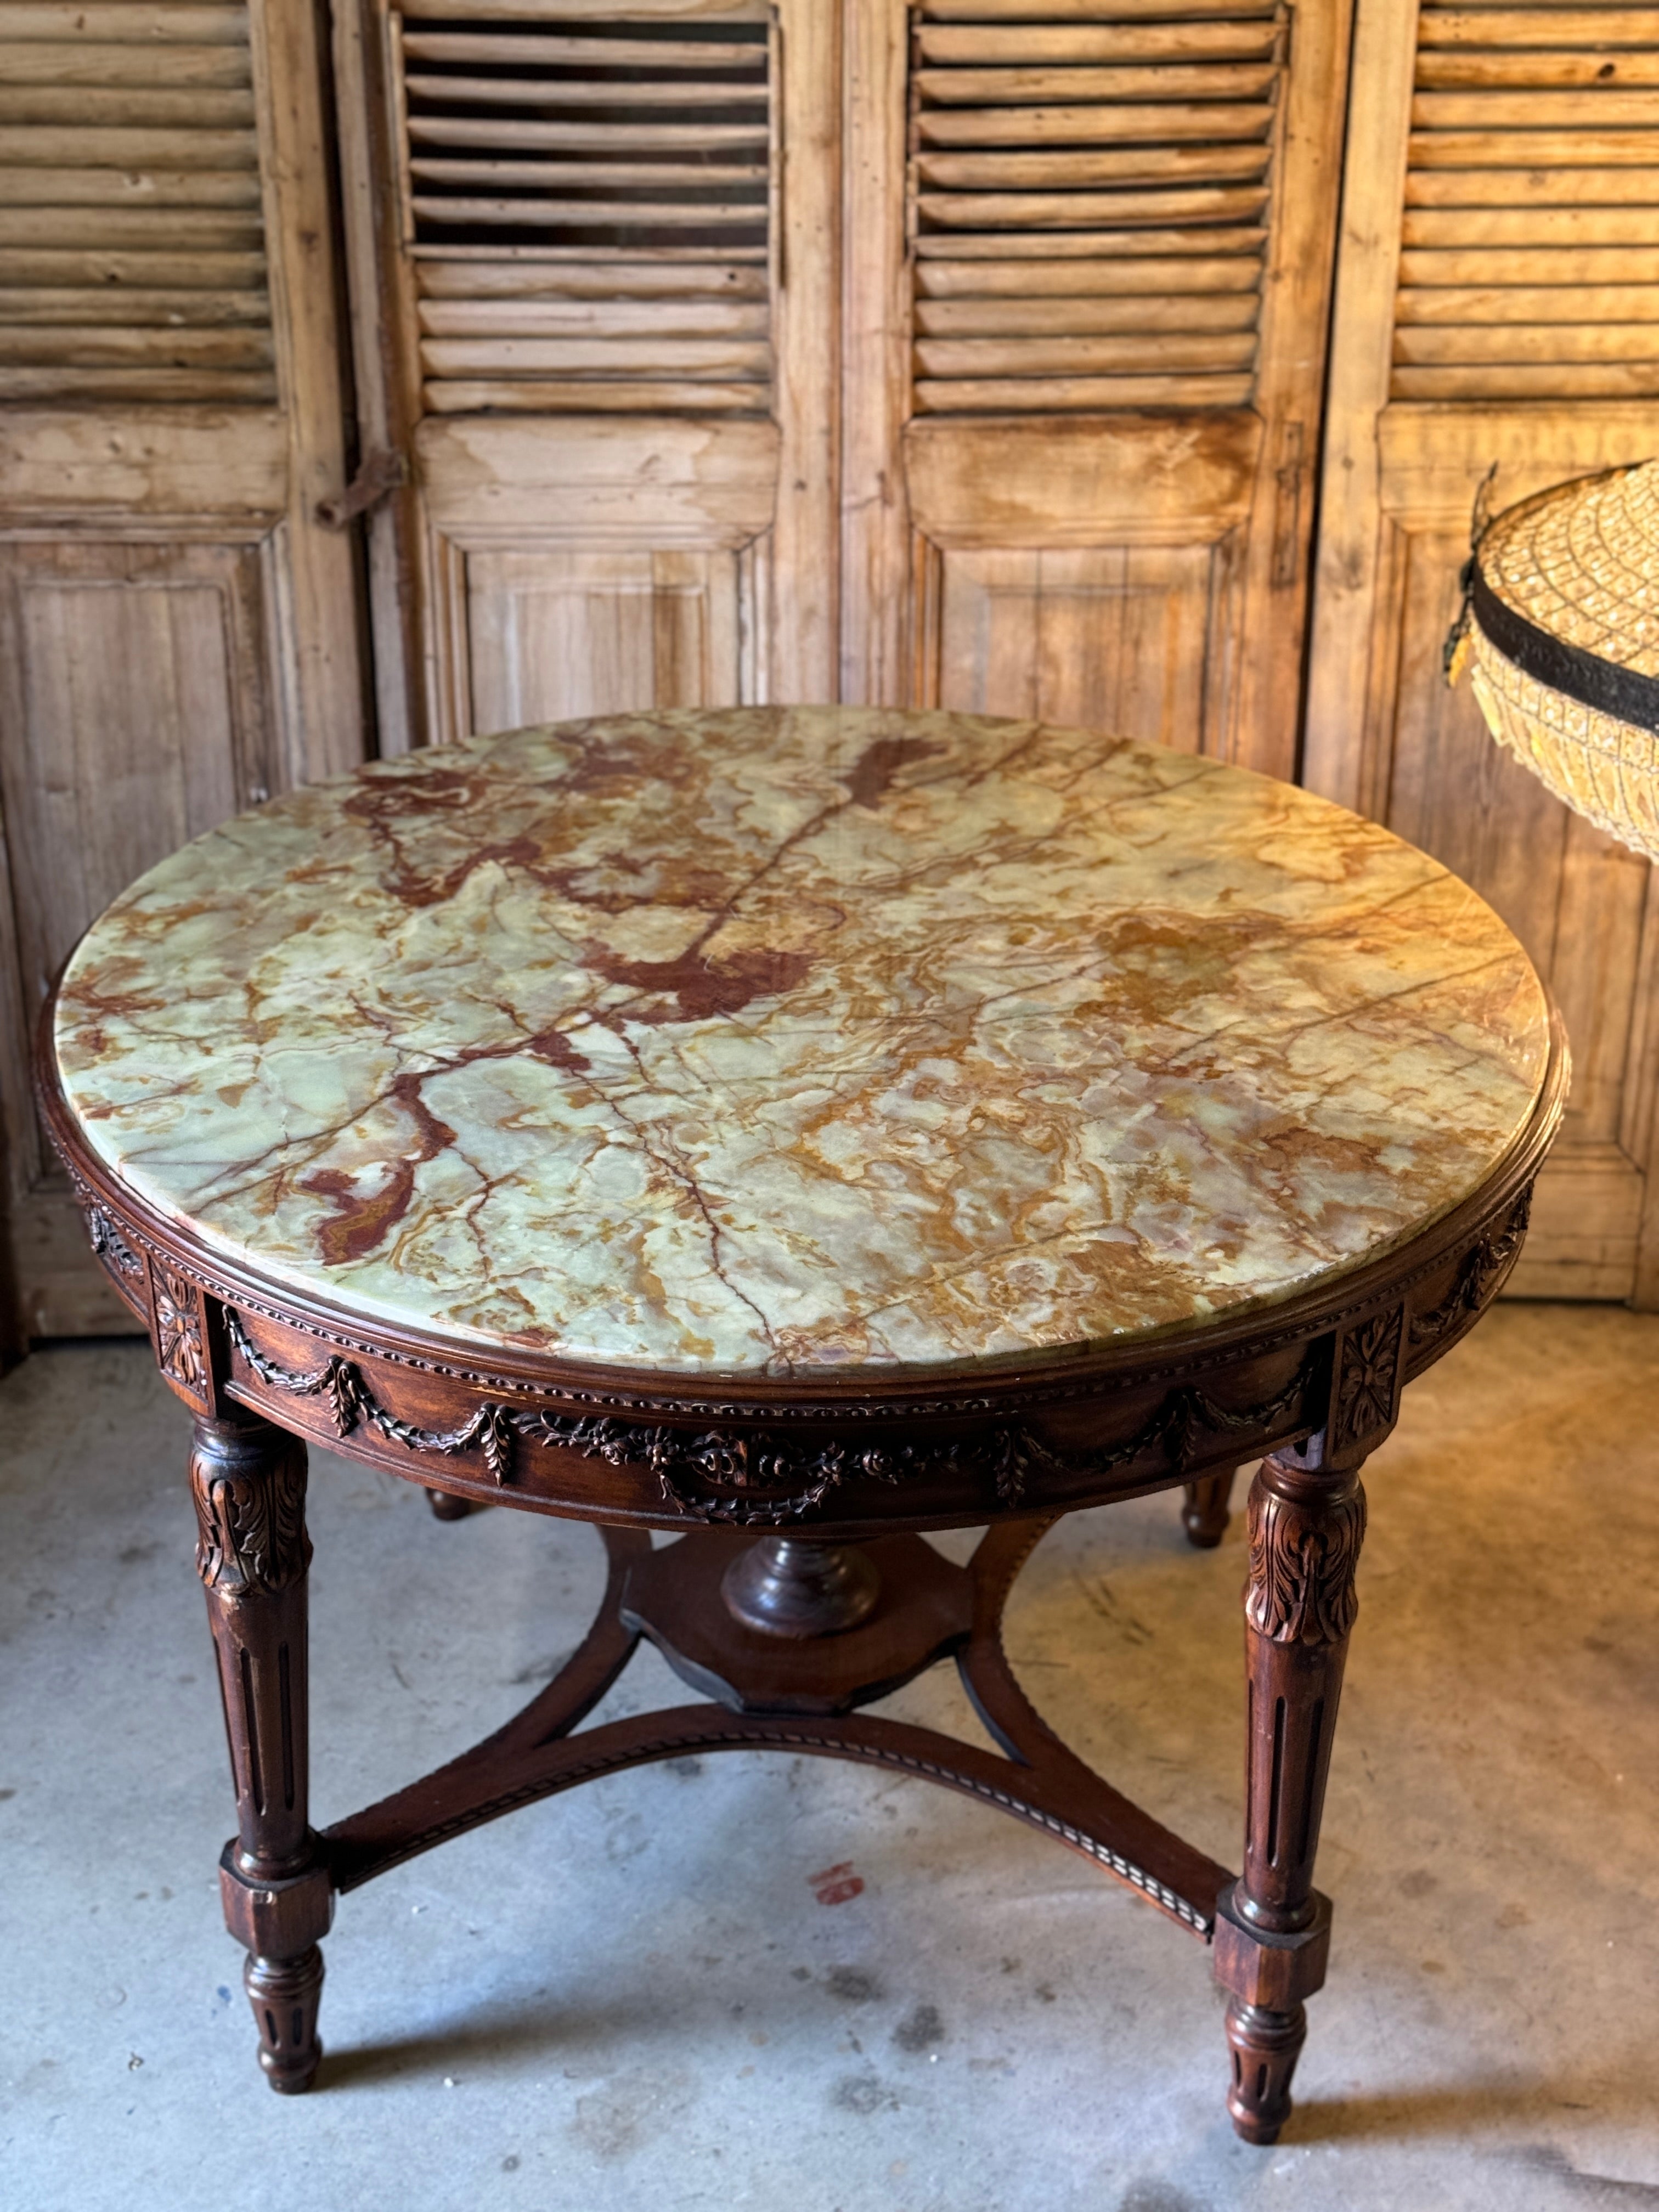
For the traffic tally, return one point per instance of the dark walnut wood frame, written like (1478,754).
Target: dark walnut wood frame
(803,1593)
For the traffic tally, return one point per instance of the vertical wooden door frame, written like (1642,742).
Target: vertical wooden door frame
(806,586)
(318,650)
(1347,562)
(875,357)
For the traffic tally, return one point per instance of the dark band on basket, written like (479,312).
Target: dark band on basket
(1585,677)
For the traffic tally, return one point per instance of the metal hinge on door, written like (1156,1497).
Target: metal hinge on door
(381,471)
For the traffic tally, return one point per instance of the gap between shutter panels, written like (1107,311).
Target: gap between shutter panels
(1090,188)
(132,264)
(1527,268)
(588,211)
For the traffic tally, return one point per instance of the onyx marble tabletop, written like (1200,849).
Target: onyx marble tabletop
(776,1041)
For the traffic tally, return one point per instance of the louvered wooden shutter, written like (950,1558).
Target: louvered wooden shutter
(587,212)
(1531,206)
(1088,202)
(1495,304)
(132,262)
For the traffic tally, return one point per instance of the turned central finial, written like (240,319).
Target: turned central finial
(787,1586)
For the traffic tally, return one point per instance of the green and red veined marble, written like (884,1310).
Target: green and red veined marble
(774,1040)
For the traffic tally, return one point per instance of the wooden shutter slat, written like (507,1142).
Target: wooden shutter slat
(111,271)
(548,214)
(513,92)
(1227,310)
(1043,356)
(130,386)
(1091,11)
(1057,395)
(124,24)
(525,131)
(1597,303)
(128,228)
(1082,43)
(55,61)
(184,196)
(1439,228)
(1527,342)
(621,281)
(1064,211)
(659,176)
(1453,72)
(576,396)
(640,92)
(1529,110)
(65,145)
(514,356)
(85,305)
(990,172)
(1091,126)
(1510,27)
(202,108)
(651,136)
(564,49)
(1530,381)
(91,345)
(1240,239)
(992,87)
(1534,149)
(1537,266)
(1037,280)
(661,319)
(1541,187)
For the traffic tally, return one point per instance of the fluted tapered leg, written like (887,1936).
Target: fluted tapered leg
(1273,1934)
(249,1482)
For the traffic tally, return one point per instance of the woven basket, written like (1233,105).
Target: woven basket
(1563,644)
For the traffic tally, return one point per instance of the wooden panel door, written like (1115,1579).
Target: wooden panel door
(1088,254)
(593,256)
(1497,310)
(178,628)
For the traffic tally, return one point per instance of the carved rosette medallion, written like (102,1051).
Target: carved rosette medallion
(180,1348)
(1367,1399)
(250,1519)
(1303,1552)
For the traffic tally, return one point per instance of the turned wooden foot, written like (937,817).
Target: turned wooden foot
(285,1994)
(1266,2045)
(1206,1508)
(249,1482)
(1306,1520)
(446,1506)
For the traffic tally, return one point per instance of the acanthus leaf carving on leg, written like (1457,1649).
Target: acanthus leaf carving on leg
(1303,1562)
(250,1518)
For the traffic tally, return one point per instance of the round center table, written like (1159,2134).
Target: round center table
(799,1129)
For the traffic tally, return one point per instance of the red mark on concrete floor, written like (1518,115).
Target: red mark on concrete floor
(835,1884)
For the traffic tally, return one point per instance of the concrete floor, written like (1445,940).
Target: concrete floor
(631,1997)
